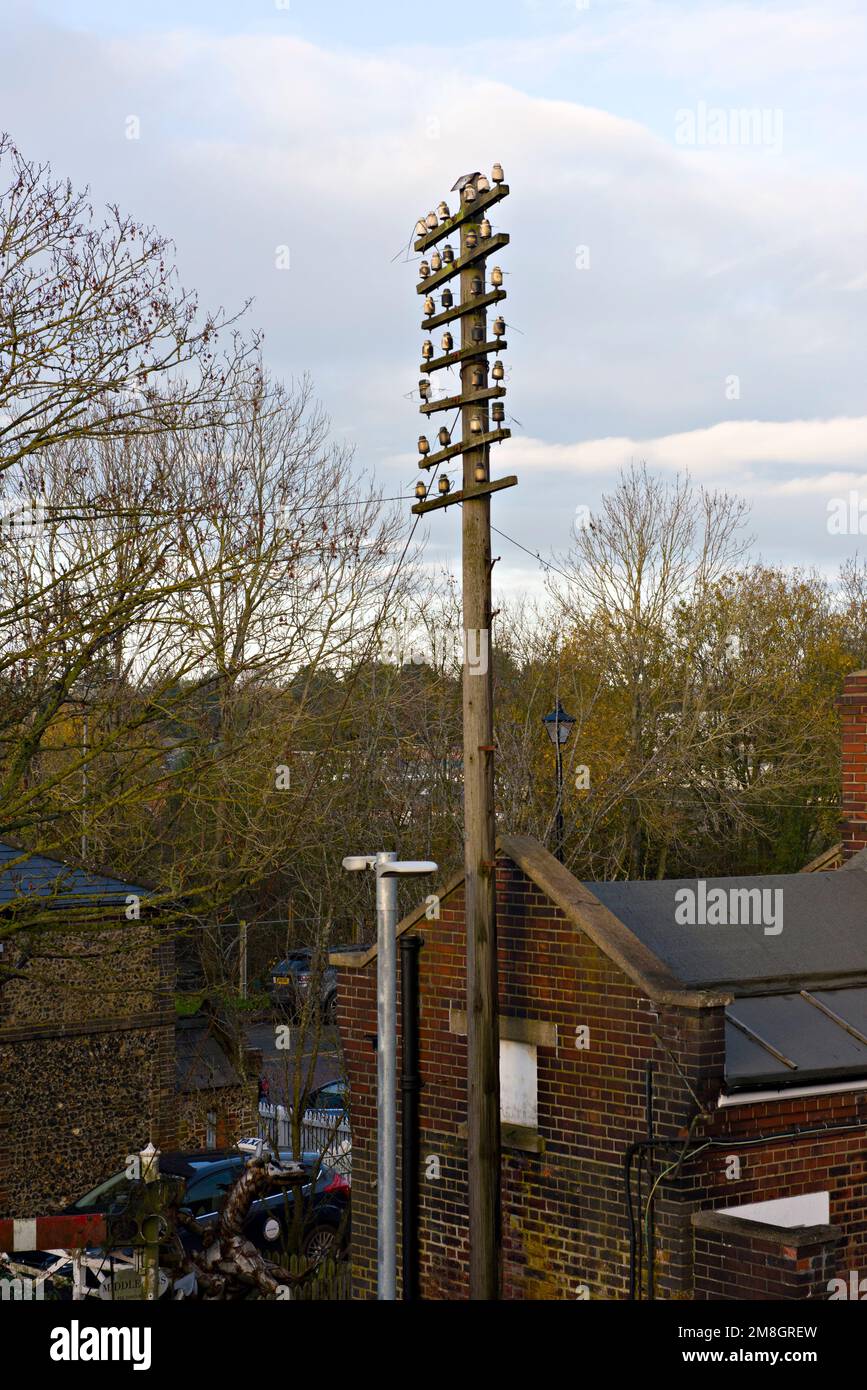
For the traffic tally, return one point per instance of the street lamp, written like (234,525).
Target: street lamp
(388,868)
(558,725)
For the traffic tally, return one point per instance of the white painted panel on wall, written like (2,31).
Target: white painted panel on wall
(808,1209)
(518,1084)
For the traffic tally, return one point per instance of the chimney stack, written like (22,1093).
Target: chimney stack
(853,791)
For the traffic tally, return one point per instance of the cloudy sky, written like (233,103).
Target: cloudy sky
(687,273)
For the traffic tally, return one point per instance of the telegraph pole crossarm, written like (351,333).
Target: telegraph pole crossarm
(471,257)
(455,402)
(462,355)
(442,455)
(469,211)
(457,311)
(464,495)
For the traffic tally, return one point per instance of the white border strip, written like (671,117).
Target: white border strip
(24,1234)
(790,1093)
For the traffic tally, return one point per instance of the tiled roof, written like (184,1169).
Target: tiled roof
(24,875)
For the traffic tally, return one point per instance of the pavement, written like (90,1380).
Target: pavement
(278,1063)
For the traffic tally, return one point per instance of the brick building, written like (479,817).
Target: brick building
(726,1017)
(217,1104)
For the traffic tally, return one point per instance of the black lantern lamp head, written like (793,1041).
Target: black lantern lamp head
(558,725)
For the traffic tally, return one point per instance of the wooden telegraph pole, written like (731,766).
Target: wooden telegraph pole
(477,391)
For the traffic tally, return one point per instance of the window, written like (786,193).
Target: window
(211,1130)
(206,1194)
(520,1039)
(110,1196)
(331,1096)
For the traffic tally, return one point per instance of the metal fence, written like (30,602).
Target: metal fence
(323,1132)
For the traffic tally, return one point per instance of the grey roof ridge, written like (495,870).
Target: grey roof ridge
(586,912)
(794,984)
(857,861)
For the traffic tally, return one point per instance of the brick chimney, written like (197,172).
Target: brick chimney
(853,793)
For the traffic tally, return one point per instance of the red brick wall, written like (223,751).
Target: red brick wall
(832,1162)
(853,799)
(744,1260)
(356,1009)
(564,1212)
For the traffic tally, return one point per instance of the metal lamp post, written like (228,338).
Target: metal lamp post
(388,868)
(558,725)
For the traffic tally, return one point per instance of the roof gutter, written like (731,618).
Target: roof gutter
(777,1093)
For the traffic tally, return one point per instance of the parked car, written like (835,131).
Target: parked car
(209,1174)
(332,1096)
(292,979)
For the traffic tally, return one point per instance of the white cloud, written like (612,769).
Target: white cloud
(713,451)
(702,263)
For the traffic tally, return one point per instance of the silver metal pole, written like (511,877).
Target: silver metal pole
(388,869)
(386,1068)
(85,750)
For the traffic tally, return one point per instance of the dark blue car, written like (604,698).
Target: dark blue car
(208,1175)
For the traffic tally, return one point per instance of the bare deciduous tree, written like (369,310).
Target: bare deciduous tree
(97,337)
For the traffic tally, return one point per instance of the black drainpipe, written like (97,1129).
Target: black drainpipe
(410,1085)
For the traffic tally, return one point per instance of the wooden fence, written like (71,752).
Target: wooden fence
(323,1132)
(327,1282)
